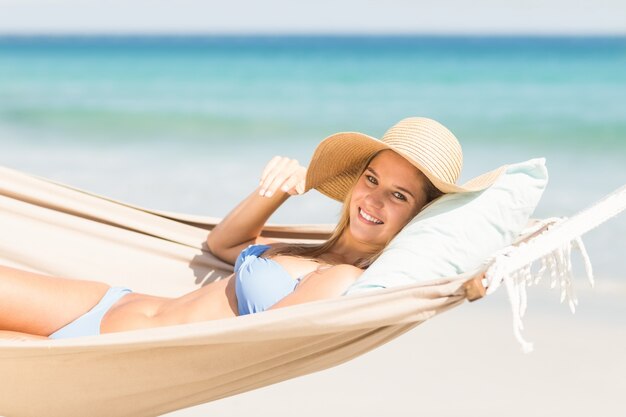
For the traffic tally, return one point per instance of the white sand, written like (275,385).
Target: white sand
(467,361)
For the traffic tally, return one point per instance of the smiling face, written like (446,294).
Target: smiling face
(389,193)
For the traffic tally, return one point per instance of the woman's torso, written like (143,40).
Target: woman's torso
(258,281)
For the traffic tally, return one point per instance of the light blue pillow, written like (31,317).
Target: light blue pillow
(457,232)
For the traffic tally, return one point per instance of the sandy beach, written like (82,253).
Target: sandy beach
(467,362)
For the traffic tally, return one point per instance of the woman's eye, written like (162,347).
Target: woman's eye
(371,179)
(399,196)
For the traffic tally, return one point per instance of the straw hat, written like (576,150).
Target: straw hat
(431,147)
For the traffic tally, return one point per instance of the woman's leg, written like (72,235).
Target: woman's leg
(18,336)
(39,304)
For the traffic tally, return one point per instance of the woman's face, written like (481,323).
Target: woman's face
(388,194)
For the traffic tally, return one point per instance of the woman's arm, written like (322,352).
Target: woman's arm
(243,225)
(322,284)
(281,178)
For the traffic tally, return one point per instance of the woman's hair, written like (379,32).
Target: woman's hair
(314,250)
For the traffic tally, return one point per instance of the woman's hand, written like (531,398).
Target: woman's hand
(282,173)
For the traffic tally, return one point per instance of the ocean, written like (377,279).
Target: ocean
(186,123)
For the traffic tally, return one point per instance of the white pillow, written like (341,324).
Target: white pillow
(457,232)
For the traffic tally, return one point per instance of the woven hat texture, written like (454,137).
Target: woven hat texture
(340,158)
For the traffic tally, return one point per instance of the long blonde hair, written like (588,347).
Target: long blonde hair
(315,250)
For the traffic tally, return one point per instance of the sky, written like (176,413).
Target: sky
(550,17)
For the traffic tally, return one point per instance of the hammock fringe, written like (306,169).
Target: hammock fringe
(552,249)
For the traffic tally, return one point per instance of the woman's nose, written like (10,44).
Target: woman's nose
(375,199)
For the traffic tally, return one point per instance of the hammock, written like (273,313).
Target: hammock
(54,229)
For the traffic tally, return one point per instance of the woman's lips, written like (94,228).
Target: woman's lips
(368,218)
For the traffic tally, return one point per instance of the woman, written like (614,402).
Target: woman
(383,184)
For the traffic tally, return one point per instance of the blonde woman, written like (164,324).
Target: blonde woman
(382,183)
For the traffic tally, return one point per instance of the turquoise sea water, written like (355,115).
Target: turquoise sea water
(187,123)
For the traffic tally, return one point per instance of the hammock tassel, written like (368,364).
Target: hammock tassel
(505,268)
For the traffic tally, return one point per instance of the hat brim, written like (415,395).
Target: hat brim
(339,159)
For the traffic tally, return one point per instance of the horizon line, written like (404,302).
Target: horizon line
(317,34)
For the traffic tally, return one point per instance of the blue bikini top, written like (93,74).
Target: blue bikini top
(260,282)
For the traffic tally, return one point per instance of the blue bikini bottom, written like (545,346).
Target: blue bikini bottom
(89,323)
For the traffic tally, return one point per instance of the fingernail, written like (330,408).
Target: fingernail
(262,192)
(268,194)
(285,188)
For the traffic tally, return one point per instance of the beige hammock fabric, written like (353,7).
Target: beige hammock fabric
(54,229)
